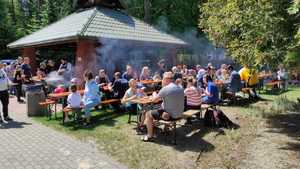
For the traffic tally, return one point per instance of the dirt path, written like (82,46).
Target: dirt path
(277,145)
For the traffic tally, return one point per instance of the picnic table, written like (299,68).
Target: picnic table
(146,103)
(146,82)
(38,79)
(264,75)
(62,95)
(219,82)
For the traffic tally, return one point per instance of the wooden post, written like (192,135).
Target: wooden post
(85,57)
(171,58)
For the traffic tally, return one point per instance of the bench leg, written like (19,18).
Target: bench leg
(49,112)
(63,118)
(175,134)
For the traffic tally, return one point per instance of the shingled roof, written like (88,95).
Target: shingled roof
(96,23)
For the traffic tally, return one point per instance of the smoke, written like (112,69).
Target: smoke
(114,54)
(202,51)
(54,79)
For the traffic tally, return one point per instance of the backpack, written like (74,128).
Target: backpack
(216,118)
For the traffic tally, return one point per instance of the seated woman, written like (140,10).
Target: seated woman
(145,74)
(92,95)
(156,77)
(193,95)
(129,95)
(211,93)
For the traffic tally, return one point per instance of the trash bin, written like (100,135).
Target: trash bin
(34,95)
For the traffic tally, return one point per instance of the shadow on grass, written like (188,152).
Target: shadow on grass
(289,125)
(276,92)
(99,118)
(243,102)
(187,140)
(13,124)
(190,138)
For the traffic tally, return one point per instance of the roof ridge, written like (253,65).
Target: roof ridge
(85,26)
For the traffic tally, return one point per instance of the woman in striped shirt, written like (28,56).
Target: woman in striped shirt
(193,95)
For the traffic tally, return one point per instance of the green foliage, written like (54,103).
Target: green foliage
(6,29)
(282,104)
(252,31)
(292,59)
(20,18)
(178,14)
(293,56)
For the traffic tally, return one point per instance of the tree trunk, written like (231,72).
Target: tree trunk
(147,11)
(13,12)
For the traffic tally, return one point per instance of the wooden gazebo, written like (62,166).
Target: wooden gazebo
(88,27)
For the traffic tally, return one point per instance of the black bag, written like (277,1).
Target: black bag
(216,118)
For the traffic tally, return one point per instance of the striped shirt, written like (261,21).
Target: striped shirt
(193,96)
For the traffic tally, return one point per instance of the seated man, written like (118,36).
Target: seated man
(250,79)
(119,86)
(211,93)
(234,83)
(102,79)
(172,106)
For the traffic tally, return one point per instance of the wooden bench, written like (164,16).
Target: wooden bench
(271,85)
(48,103)
(172,124)
(105,102)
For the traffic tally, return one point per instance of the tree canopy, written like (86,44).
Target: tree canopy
(20,18)
(252,31)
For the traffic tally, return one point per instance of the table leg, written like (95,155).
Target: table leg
(55,110)
(49,112)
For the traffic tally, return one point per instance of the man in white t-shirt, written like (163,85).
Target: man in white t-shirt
(4,96)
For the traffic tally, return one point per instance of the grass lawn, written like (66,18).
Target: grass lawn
(197,147)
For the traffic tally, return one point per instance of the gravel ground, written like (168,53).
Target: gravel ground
(277,145)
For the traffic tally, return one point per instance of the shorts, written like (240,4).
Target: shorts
(157,115)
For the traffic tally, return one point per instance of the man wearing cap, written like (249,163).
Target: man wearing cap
(4,96)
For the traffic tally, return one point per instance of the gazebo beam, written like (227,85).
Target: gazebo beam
(85,57)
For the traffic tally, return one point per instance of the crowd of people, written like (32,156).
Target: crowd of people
(181,88)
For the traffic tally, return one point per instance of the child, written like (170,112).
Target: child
(141,92)
(74,101)
(18,82)
(130,94)
(59,89)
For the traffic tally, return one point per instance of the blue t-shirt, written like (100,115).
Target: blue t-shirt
(213,90)
(91,92)
(26,70)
